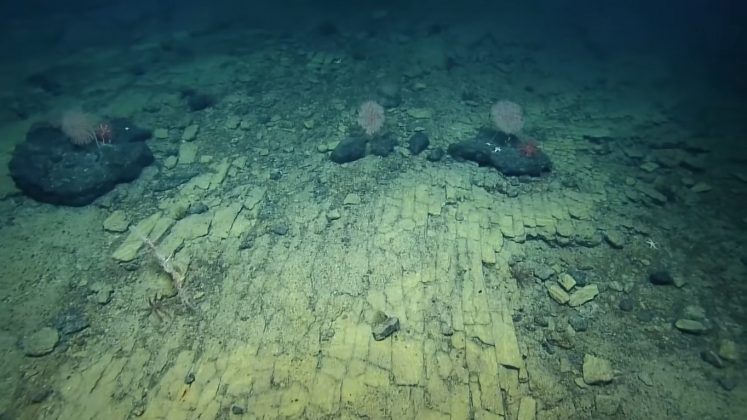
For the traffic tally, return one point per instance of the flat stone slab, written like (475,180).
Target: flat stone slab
(583,295)
(597,370)
(41,342)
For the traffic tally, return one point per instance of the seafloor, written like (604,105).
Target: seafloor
(290,259)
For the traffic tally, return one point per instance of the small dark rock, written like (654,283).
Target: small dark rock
(561,339)
(349,150)
(276,174)
(382,145)
(543,271)
(327,334)
(661,278)
(189,378)
(280,230)
(197,208)
(39,395)
(197,101)
(578,323)
(385,328)
(70,321)
(711,357)
(728,383)
(138,408)
(645,316)
(247,242)
(581,276)
(418,142)
(237,409)
(435,155)
(541,321)
(626,303)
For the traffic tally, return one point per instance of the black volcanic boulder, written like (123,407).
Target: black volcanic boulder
(508,154)
(349,150)
(49,168)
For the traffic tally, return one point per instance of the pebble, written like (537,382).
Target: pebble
(597,370)
(645,315)
(558,294)
(351,199)
(40,395)
(712,358)
(578,323)
(616,286)
(418,142)
(197,208)
(190,132)
(690,326)
(646,379)
(104,295)
(728,383)
(333,214)
(614,238)
(170,162)
(233,122)
(189,378)
(728,350)
(116,222)
(435,155)
(649,166)
(581,277)
(161,133)
(385,328)
(541,321)
(280,229)
(660,278)
(626,303)
(695,312)
(543,271)
(701,187)
(567,281)
(419,113)
(583,295)
(607,404)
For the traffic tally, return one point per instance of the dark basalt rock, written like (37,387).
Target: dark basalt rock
(197,101)
(418,142)
(661,278)
(382,145)
(435,155)
(507,154)
(349,150)
(49,168)
(385,328)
